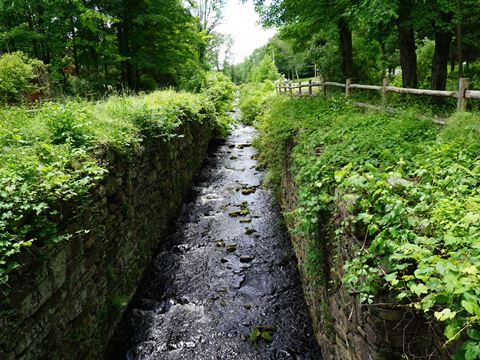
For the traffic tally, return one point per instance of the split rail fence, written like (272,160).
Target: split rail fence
(462,94)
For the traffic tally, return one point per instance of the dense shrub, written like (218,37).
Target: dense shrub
(79,87)
(406,191)
(220,90)
(16,77)
(425,53)
(253,97)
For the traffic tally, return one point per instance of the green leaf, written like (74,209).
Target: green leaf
(339,175)
(445,314)
(472,307)
(419,289)
(451,331)
(471,218)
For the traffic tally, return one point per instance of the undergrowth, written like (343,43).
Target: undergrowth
(405,189)
(253,99)
(55,153)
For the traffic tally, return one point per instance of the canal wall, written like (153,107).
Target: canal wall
(67,298)
(345,328)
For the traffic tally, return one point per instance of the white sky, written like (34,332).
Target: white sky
(240,21)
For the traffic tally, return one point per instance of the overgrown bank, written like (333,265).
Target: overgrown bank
(383,210)
(89,190)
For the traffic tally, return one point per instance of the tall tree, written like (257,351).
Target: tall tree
(406,43)
(209,16)
(305,18)
(108,41)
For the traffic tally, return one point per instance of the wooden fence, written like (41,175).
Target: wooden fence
(462,94)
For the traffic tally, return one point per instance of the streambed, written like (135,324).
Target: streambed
(225,284)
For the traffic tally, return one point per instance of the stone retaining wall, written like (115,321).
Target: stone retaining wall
(68,298)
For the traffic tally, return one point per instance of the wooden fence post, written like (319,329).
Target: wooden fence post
(299,88)
(384,92)
(310,89)
(462,100)
(290,88)
(347,87)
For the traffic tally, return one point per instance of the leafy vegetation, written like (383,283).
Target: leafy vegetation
(253,98)
(262,332)
(96,45)
(255,94)
(17,76)
(220,90)
(365,40)
(54,154)
(402,189)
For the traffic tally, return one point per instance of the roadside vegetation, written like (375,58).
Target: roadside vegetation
(56,152)
(404,189)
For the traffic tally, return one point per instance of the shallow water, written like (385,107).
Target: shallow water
(227,268)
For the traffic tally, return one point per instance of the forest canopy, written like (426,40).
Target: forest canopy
(91,45)
(430,41)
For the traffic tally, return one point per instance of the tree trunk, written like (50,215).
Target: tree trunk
(459,50)
(74,44)
(440,59)
(346,49)
(124,45)
(34,40)
(406,44)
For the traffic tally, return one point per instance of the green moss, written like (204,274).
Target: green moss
(262,332)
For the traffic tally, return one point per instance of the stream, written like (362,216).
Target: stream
(225,284)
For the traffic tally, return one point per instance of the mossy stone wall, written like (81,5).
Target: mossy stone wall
(67,298)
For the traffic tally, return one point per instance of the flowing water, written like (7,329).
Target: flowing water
(225,283)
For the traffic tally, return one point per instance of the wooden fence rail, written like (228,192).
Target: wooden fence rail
(462,94)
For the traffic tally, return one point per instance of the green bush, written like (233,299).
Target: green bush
(368,69)
(16,77)
(253,97)
(404,190)
(79,87)
(329,60)
(424,63)
(219,89)
(67,123)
